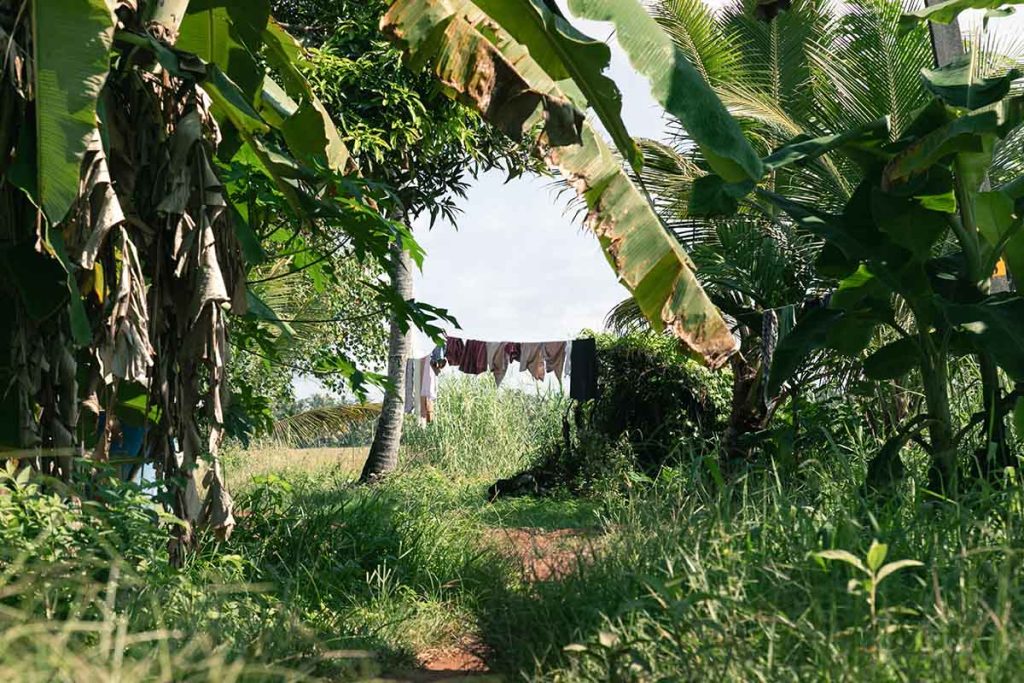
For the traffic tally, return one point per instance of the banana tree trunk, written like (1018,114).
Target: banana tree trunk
(749,411)
(944,471)
(383,456)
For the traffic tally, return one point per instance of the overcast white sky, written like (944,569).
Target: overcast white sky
(519,267)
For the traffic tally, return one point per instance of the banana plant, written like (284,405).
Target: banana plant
(122,248)
(939,206)
(534,76)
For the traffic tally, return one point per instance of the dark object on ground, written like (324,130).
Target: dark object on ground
(522,484)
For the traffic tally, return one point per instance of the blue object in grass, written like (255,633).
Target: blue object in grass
(127,445)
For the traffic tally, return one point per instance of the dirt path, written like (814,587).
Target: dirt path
(543,555)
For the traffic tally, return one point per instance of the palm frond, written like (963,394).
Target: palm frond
(626,318)
(775,55)
(323,422)
(768,263)
(695,30)
(871,68)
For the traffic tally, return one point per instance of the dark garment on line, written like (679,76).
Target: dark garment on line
(453,350)
(474,358)
(438,354)
(583,380)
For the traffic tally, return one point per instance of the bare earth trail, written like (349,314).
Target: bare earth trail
(542,554)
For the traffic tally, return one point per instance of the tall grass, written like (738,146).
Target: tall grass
(698,582)
(688,577)
(484,431)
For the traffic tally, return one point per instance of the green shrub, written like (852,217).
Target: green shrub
(662,400)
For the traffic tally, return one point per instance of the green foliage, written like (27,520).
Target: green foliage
(571,58)
(523,99)
(696,581)
(481,431)
(69,73)
(679,89)
(656,397)
(872,568)
(656,407)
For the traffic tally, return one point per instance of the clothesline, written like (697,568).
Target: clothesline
(475,357)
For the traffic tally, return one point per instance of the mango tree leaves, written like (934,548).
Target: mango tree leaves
(494,73)
(72,41)
(958,86)
(677,86)
(572,59)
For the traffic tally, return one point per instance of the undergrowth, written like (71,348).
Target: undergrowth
(695,576)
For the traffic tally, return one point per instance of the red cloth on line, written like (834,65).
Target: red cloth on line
(474,357)
(454,348)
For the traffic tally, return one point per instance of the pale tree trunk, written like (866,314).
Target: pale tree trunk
(947,43)
(388,437)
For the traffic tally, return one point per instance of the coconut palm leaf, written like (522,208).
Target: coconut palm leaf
(626,318)
(774,58)
(693,27)
(323,422)
(870,69)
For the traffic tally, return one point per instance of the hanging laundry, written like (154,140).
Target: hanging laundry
(498,355)
(453,350)
(474,357)
(583,381)
(417,385)
(428,388)
(438,354)
(554,357)
(568,359)
(414,385)
(531,359)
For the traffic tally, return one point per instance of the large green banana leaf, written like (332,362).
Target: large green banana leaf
(227,33)
(677,86)
(308,129)
(486,68)
(573,60)
(71,39)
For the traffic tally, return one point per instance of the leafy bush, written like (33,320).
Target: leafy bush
(655,406)
(657,396)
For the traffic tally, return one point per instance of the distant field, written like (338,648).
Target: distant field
(255,462)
